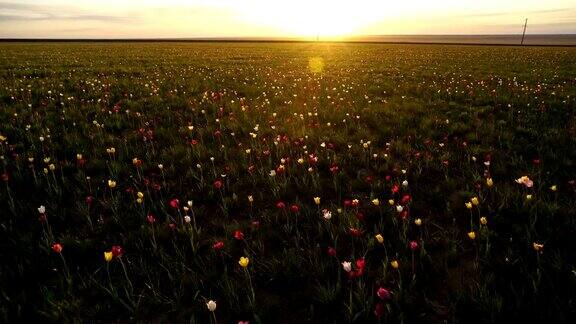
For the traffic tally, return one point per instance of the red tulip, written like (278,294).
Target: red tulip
(280,205)
(360,263)
(89,200)
(383,293)
(334,169)
(404,214)
(218,246)
(413,245)
(294,208)
(238,235)
(150,218)
(218,184)
(395,188)
(355,232)
(379,310)
(57,247)
(174,203)
(331,251)
(117,251)
(405,199)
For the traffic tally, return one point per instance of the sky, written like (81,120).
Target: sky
(270,18)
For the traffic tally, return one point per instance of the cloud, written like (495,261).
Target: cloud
(10,11)
(528,13)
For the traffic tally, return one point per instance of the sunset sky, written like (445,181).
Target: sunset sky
(269,18)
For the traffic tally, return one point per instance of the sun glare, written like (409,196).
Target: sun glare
(313,18)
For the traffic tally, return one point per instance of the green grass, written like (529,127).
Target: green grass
(442,118)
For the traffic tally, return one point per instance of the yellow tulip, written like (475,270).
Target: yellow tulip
(140,194)
(111,183)
(376,202)
(528,197)
(391,202)
(108,256)
(475,201)
(472,235)
(537,246)
(244,262)
(468,205)
(418,221)
(379,238)
(317,200)
(554,188)
(394,264)
(489,182)
(483,220)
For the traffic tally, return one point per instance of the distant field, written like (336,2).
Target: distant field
(365,183)
(530,40)
(561,40)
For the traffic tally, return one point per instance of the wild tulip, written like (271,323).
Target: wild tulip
(243,262)
(383,293)
(57,247)
(294,208)
(238,235)
(211,305)
(347,266)
(379,310)
(175,203)
(117,251)
(405,199)
(489,182)
(537,246)
(524,180)
(218,246)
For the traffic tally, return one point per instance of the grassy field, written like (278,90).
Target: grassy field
(364,183)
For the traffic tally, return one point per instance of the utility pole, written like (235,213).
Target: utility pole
(524,32)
